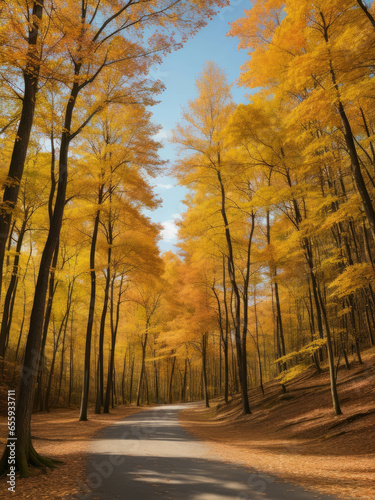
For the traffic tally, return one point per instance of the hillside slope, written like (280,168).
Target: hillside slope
(296,435)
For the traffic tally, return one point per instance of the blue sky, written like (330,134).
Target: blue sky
(178,73)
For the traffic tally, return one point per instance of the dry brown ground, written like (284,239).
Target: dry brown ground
(60,435)
(296,436)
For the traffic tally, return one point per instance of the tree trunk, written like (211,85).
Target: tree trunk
(71,360)
(131,382)
(144,344)
(90,320)
(367,12)
(123,380)
(204,370)
(21,143)
(349,138)
(183,391)
(156,381)
(100,387)
(257,343)
(241,355)
(332,374)
(25,453)
(170,397)
(39,400)
(11,292)
(114,328)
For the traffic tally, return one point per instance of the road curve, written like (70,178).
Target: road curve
(150,456)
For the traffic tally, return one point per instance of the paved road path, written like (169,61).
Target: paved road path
(150,456)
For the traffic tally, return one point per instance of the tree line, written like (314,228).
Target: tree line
(67,69)
(275,268)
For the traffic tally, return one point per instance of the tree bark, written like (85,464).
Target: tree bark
(144,345)
(241,355)
(204,370)
(90,320)
(12,289)
(367,12)
(100,387)
(170,396)
(21,143)
(114,328)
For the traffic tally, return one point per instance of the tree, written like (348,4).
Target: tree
(30,55)
(90,57)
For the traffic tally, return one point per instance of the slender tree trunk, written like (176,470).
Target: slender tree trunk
(240,342)
(245,311)
(90,321)
(183,391)
(62,328)
(22,324)
(123,379)
(62,356)
(71,360)
(367,12)
(131,382)
(51,372)
(226,339)
(144,345)
(39,400)
(114,328)
(171,380)
(204,370)
(11,292)
(156,380)
(100,386)
(332,374)
(257,342)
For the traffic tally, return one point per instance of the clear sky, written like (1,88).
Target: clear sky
(178,73)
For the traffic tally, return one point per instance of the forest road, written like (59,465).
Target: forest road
(150,456)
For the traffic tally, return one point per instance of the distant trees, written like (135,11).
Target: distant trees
(294,186)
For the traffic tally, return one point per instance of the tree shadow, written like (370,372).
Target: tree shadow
(149,455)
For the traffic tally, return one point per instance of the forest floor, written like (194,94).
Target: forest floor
(296,435)
(61,436)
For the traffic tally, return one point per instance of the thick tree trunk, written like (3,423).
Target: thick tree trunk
(348,135)
(25,453)
(21,143)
